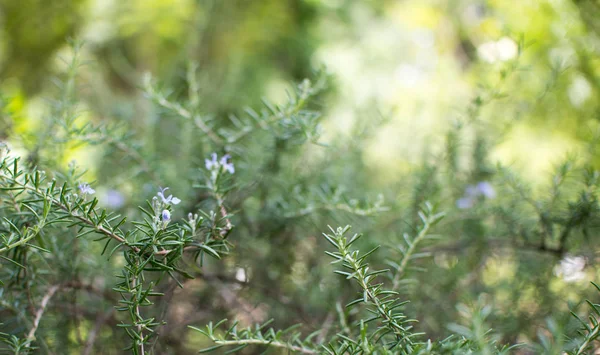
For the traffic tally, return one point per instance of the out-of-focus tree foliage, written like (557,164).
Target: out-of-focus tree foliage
(487,109)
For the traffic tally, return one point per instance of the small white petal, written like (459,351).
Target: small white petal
(240,275)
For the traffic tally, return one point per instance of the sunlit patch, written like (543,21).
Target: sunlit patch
(498,51)
(534,152)
(579,91)
(570,268)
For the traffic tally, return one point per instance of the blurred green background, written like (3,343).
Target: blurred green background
(403,73)
(419,62)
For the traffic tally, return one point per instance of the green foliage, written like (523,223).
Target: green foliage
(589,333)
(461,141)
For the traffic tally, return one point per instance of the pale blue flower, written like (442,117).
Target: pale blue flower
(114,199)
(210,164)
(473,192)
(227,166)
(86,189)
(167,200)
(215,163)
(486,189)
(166,215)
(464,203)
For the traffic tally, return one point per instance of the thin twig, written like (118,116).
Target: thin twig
(228,225)
(400,270)
(38,316)
(138,317)
(177,108)
(91,340)
(100,229)
(327,324)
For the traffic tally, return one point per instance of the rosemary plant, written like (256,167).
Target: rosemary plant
(208,217)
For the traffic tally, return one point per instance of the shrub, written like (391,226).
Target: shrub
(120,262)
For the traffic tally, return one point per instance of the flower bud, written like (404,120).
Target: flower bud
(166,215)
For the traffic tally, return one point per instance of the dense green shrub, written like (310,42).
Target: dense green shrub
(258,190)
(179,212)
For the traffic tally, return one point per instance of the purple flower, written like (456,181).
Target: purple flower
(215,163)
(166,215)
(211,163)
(114,199)
(167,200)
(227,166)
(486,189)
(473,192)
(86,189)
(464,203)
